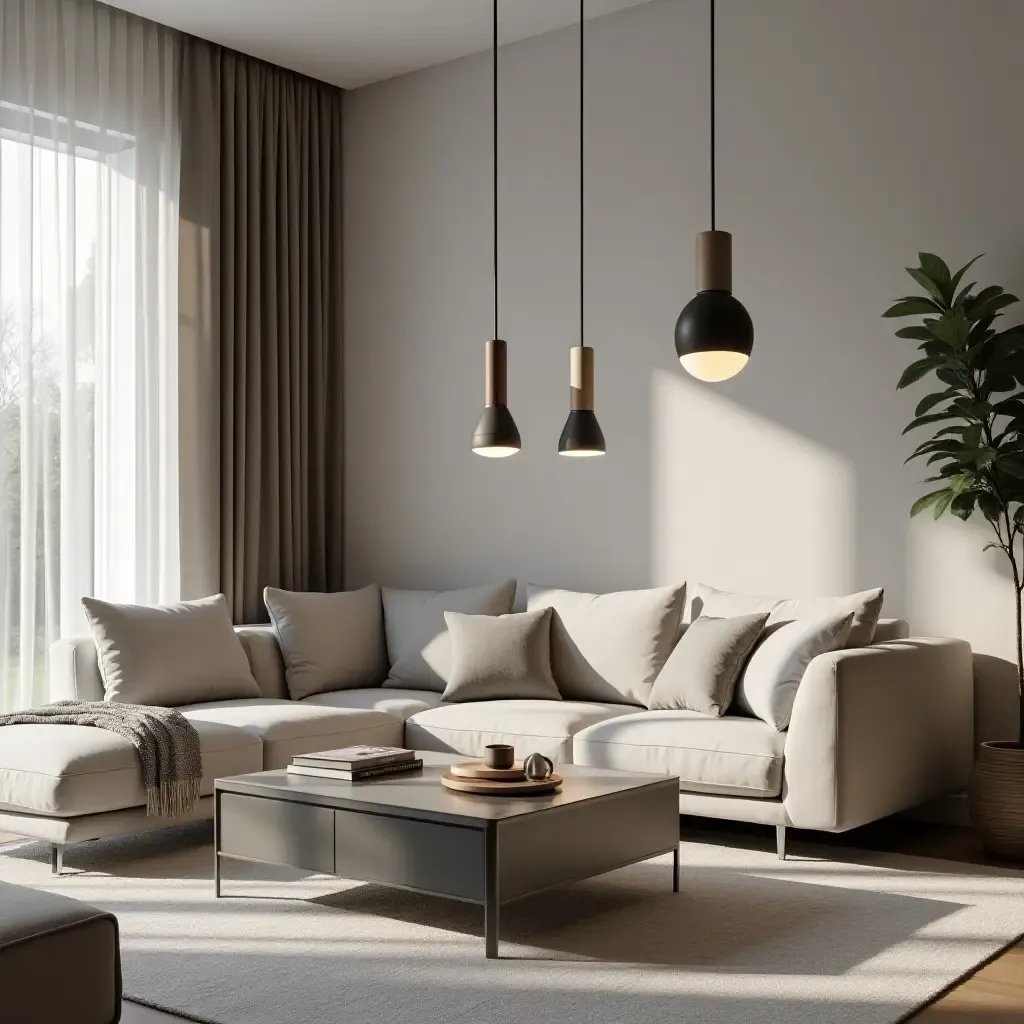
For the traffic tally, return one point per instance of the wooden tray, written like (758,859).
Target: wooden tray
(478,770)
(493,787)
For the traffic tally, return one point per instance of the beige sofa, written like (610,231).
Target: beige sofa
(874,730)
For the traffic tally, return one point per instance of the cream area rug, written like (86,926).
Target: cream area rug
(747,940)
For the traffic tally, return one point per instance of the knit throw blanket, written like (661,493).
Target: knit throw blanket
(166,742)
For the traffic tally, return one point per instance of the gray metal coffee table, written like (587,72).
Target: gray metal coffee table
(409,831)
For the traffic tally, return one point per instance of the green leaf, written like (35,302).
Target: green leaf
(932,287)
(922,503)
(989,505)
(954,378)
(916,370)
(936,270)
(934,417)
(942,503)
(953,329)
(978,310)
(930,401)
(1010,407)
(958,276)
(1018,515)
(1011,465)
(913,305)
(962,506)
(916,333)
(963,296)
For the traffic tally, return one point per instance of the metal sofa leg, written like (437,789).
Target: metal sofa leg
(56,858)
(780,841)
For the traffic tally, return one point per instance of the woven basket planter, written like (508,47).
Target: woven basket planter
(997,798)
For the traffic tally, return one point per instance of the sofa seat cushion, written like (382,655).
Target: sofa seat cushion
(400,703)
(287,727)
(730,756)
(70,770)
(545,726)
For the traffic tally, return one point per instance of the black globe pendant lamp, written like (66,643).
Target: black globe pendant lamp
(581,435)
(714,333)
(496,435)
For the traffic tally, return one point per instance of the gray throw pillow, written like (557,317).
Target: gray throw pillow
(184,653)
(329,641)
(500,657)
(419,647)
(701,673)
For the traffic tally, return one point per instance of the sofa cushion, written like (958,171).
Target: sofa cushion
(287,727)
(400,703)
(544,726)
(500,657)
(169,656)
(701,673)
(68,770)
(865,606)
(730,756)
(419,648)
(329,641)
(609,647)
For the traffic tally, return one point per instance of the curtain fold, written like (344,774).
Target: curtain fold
(89,162)
(261,269)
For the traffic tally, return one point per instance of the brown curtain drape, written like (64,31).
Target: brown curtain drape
(261,321)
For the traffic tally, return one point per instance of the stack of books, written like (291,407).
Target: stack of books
(350,764)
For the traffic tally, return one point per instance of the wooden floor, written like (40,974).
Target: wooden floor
(993,995)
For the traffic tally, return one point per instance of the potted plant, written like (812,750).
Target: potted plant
(976,450)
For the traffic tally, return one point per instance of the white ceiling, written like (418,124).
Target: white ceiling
(355,42)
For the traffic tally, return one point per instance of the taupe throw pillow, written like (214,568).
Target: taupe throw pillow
(184,653)
(329,641)
(419,648)
(500,657)
(701,673)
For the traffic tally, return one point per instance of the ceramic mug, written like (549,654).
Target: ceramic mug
(499,755)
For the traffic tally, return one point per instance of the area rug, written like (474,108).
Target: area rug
(748,940)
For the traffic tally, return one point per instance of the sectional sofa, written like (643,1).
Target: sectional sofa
(875,729)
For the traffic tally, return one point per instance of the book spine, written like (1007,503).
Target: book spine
(343,775)
(387,769)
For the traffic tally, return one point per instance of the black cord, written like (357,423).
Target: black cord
(495,115)
(582,335)
(712,66)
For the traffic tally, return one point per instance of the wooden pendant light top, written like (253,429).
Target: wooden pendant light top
(581,377)
(496,373)
(714,261)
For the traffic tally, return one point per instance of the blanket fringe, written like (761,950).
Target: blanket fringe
(172,799)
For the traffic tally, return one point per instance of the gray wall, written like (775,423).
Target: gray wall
(851,134)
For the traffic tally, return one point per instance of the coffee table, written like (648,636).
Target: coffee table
(409,831)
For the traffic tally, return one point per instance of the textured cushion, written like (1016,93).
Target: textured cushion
(172,655)
(545,726)
(329,641)
(730,756)
(498,657)
(419,647)
(69,770)
(866,607)
(59,959)
(288,727)
(609,647)
(701,673)
(399,703)
(768,684)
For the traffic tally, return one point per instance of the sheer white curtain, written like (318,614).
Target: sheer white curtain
(89,163)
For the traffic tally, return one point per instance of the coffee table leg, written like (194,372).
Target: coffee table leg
(675,870)
(491,899)
(216,845)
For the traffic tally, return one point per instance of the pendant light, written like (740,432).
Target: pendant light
(496,435)
(581,435)
(714,333)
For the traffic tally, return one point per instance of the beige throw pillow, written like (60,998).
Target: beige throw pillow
(609,647)
(768,685)
(500,657)
(329,641)
(701,673)
(184,653)
(419,647)
(866,607)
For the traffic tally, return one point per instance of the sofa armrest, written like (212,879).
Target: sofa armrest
(879,729)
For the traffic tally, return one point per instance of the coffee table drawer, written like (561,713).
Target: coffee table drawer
(278,831)
(443,859)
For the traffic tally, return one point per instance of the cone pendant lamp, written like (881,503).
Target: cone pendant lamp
(714,333)
(581,435)
(496,435)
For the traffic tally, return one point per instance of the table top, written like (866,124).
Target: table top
(419,794)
